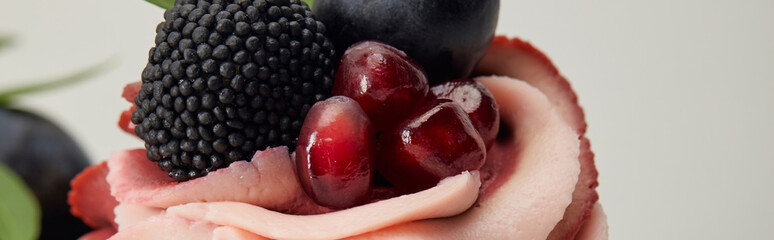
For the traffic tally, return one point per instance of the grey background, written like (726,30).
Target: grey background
(677,94)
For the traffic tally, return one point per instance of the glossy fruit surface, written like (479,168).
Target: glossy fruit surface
(446,37)
(333,155)
(477,102)
(437,141)
(383,80)
(46,158)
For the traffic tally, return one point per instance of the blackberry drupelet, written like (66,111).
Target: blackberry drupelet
(227,78)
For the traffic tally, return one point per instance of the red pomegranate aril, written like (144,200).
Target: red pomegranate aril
(333,154)
(477,102)
(383,80)
(435,142)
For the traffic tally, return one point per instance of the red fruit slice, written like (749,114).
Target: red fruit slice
(125,121)
(131,90)
(518,59)
(595,227)
(90,198)
(583,198)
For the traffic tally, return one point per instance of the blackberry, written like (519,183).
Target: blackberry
(227,78)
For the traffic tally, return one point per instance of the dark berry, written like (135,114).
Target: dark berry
(46,158)
(214,67)
(447,37)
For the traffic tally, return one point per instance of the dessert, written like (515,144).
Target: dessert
(428,168)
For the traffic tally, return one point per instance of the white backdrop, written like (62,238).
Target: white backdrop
(678,96)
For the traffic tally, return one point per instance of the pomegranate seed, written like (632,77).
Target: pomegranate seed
(437,141)
(383,80)
(333,155)
(477,102)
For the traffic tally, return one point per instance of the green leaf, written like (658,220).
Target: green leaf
(19,210)
(165,4)
(5,41)
(309,2)
(8,96)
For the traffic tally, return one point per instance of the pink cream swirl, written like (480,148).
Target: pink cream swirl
(523,191)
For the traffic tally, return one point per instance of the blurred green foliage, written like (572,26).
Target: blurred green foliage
(19,209)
